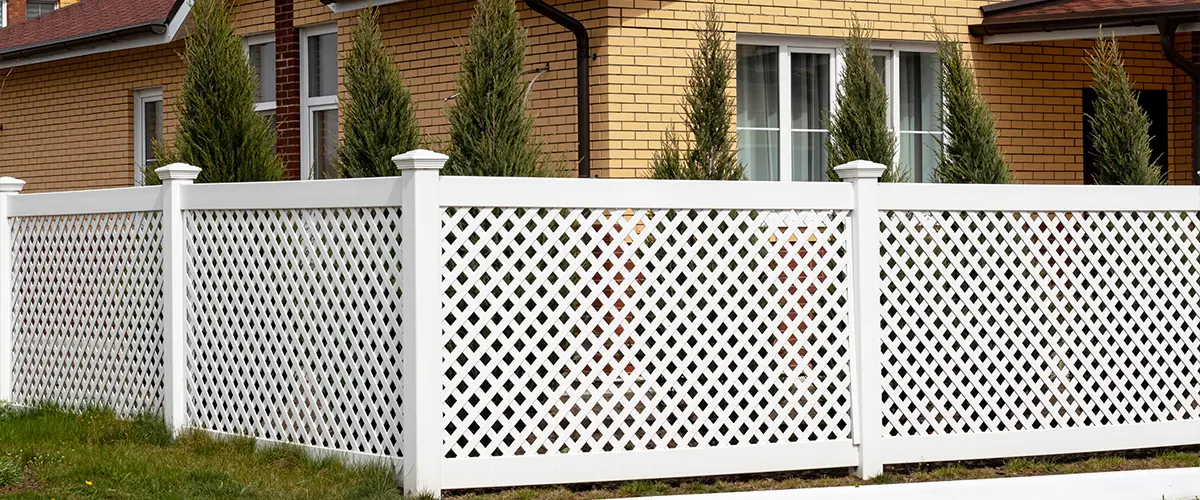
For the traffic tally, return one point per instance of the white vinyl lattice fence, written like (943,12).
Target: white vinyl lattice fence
(87,326)
(497,332)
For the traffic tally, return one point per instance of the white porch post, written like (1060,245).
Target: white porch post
(8,188)
(421,264)
(174,177)
(867,360)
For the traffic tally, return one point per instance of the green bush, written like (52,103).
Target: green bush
(971,151)
(709,112)
(858,129)
(380,116)
(219,130)
(1120,127)
(491,134)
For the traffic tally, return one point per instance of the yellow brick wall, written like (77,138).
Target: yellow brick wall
(251,17)
(637,80)
(427,35)
(645,54)
(1035,89)
(1036,95)
(69,124)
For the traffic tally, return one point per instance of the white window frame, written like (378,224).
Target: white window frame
(310,105)
(3,13)
(791,45)
(260,39)
(140,98)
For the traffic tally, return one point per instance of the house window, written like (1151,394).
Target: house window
(36,8)
(1154,103)
(147,129)
(793,148)
(318,104)
(260,50)
(3,13)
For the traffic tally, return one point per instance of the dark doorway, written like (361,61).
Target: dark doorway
(1154,102)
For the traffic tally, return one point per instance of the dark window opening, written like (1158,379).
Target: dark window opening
(36,8)
(1154,102)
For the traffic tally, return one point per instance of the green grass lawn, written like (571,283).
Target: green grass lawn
(49,454)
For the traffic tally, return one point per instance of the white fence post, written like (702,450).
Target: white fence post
(174,176)
(8,187)
(421,302)
(867,398)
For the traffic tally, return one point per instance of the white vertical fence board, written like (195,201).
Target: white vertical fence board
(334,193)
(1165,484)
(1033,198)
(97,201)
(984,445)
(631,465)
(508,192)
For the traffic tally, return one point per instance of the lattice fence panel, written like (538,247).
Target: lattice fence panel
(1000,321)
(582,331)
(294,326)
(87,296)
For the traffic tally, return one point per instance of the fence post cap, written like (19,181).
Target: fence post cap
(11,185)
(178,172)
(860,169)
(420,159)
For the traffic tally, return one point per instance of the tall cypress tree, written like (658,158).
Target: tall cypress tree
(1120,127)
(971,151)
(380,116)
(713,153)
(491,134)
(218,129)
(858,130)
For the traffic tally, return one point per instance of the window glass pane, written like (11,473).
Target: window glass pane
(262,59)
(325,137)
(322,65)
(810,90)
(809,156)
(758,86)
(758,150)
(810,108)
(152,128)
(36,9)
(758,108)
(919,154)
(881,64)
(919,92)
(919,99)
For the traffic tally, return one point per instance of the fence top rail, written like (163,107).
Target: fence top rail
(96,201)
(1038,198)
(506,192)
(334,193)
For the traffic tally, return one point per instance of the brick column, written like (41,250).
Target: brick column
(287,87)
(16,11)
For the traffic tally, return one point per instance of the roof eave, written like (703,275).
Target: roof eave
(1124,18)
(156,27)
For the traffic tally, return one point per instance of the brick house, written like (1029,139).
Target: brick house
(87,85)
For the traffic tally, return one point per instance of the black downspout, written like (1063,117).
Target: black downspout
(582,91)
(1166,31)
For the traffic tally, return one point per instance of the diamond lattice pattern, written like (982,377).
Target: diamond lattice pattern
(997,321)
(584,331)
(87,293)
(294,326)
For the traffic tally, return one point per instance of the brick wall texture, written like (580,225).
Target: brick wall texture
(68,124)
